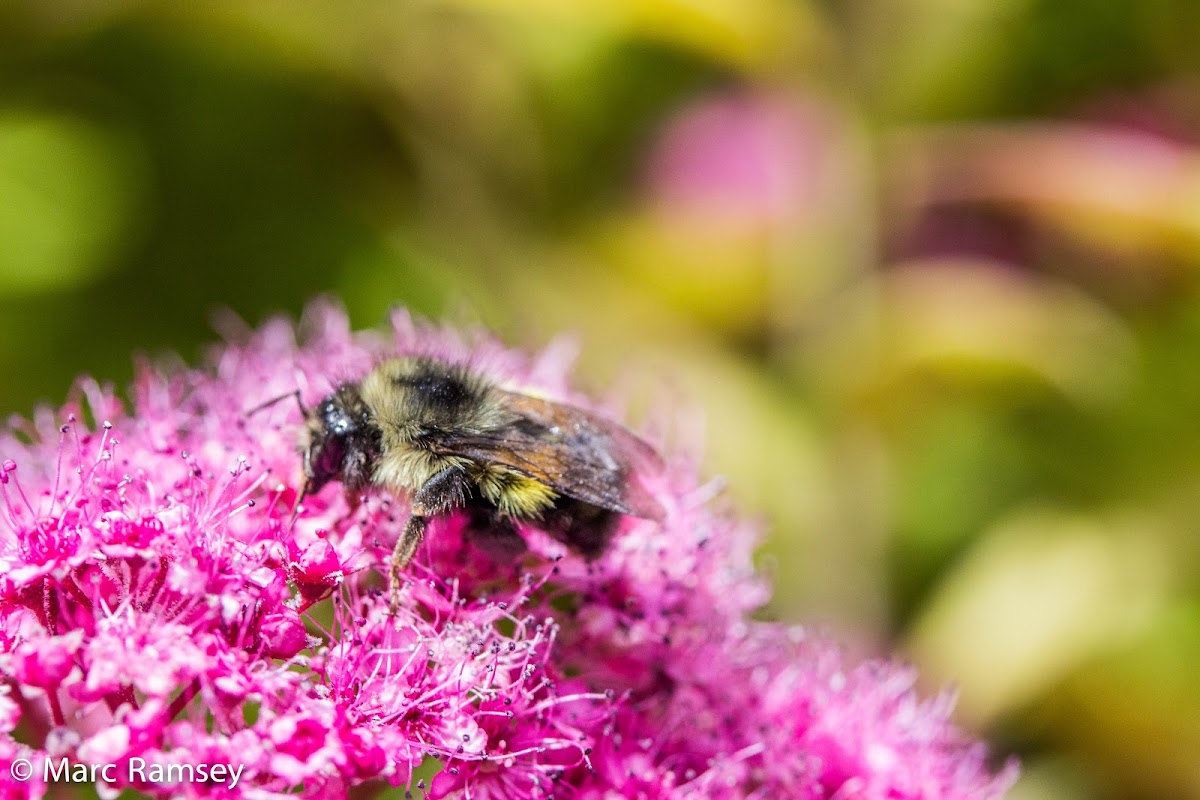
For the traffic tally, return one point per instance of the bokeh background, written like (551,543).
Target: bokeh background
(923,276)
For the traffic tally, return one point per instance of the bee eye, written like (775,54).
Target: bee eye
(331,455)
(336,439)
(338,422)
(323,461)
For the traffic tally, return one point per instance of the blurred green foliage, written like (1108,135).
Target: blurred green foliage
(920,278)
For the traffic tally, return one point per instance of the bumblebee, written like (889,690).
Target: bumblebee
(452,440)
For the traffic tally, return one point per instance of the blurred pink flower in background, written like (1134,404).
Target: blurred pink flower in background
(155,605)
(749,201)
(1120,191)
(738,163)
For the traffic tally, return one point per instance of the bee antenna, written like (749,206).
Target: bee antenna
(274,400)
(296,507)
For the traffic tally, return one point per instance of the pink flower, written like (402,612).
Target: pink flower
(741,162)
(157,607)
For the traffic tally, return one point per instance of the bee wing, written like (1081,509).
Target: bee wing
(576,453)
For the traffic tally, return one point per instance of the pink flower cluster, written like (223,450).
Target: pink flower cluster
(156,607)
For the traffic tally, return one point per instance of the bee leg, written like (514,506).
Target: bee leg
(406,548)
(445,491)
(495,534)
(585,528)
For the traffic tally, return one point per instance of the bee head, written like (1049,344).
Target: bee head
(341,441)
